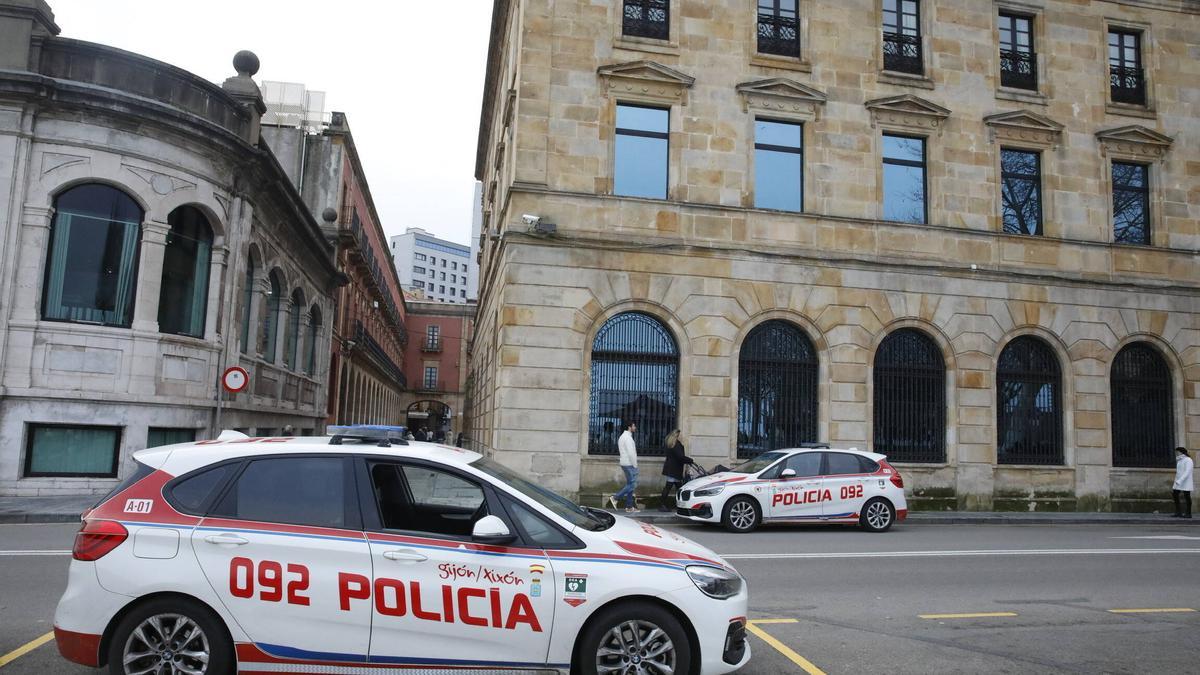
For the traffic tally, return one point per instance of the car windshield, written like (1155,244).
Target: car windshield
(588,519)
(758,463)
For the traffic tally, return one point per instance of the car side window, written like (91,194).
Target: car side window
(840,463)
(805,464)
(294,490)
(191,494)
(424,499)
(867,465)
(536,528)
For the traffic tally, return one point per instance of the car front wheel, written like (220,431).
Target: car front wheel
(634,638)
(741,515)
(170,636)
(877,515)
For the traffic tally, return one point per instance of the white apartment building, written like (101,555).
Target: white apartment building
(443,270)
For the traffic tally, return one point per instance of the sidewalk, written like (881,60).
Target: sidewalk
(987,518)
(45,509)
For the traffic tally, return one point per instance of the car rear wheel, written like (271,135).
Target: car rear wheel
(877,515)
(634,638)
(170,636)
(741,515)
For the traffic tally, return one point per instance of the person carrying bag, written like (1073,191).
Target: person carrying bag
(673,468)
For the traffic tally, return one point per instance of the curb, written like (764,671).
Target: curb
(38,518)
(658,518)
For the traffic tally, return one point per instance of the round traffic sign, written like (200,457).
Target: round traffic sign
(235,379)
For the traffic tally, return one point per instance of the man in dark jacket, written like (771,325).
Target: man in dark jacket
(672,469)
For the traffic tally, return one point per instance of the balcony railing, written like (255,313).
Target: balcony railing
(647,18)
(431,385)
(1018,69)
(902,53)
(1128,85)
(778,35)
(369,345)
(431,345)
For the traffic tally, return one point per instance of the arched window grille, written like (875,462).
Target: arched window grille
(635,377)
(91,269)
(247,301)
(291,336)
(183,299)
(777,389)
(1143,429)
(910,398)
(269,317)
(314,331)
(1029,404)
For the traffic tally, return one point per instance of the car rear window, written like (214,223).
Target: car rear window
(192,494)
(839,463)
(294,490)
(868,465)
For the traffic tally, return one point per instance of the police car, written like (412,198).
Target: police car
(799,485)
(361,552)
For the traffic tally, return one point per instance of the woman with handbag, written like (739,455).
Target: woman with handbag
(672,468)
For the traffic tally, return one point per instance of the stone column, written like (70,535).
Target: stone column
(216,272)
(150,269)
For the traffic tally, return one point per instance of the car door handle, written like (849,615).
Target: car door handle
(404,555)
(226,540)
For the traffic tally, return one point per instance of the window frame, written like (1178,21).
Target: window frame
(1013,17)
(27,464)
(219,492)
(1146,192)
(1060,395)
(923,165)
(768,147)
(646,7)
(350,499)
(637,133)
(775,15)
(1139,37)
(1038,180)
(920,36)
(430,383)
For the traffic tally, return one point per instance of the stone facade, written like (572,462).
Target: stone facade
(710,266)
(74,113)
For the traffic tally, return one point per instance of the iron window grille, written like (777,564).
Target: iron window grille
(647,18)
(1143,429)
(1018,60)
(1029,404)
(778,28)
(902,37)
(1127,80)
(1131,203)
(910,398)
(1021,191)
(634,378)
(777,389)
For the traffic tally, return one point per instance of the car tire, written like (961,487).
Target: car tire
(610,631)
(878,515)
(170,615)
(742,514)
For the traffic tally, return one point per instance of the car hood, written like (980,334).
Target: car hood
(723,477)
(648,540)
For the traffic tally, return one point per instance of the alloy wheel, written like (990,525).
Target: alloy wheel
(741,514)
(636,648)
(878,515)
(167,644)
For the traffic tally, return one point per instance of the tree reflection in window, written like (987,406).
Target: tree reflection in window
(1131,203)
(1029,404)
(1021,191)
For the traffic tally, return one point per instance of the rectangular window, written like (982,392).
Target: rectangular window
(453,265)
(443,262)
(902,37)
(418,270)
(92,270)
(1018,60)
(778,165)
(164,436)
(57,450)
(432,274)
(454,278)
(778,28)
(443,276)
(1131,203)
(432,336)
(419,257)
(904,179)
(462,294)
(432,261)
(647,18)
(431,373)
(1021,191)
(1126,78)
(419,284)
(441,289)
(641,151)
(299,490)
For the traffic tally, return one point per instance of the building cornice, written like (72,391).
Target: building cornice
(491,82)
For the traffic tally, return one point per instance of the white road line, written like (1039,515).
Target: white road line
(954,554)
(11,554)
(1176,537)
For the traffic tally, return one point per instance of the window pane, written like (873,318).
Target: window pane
(902,147)
(247,300)
(422,499)
(777,180)
(641,167)
(903,193)
(297,490)
(840,463)
(57,450)
(642,119)
(161,436)
(192,492)
(1021,192)
(541,532)
(778,133)
(183,300)
(1131,203)
(805,464)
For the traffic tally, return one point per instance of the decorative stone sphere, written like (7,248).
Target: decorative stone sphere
(245,62)
(329,215)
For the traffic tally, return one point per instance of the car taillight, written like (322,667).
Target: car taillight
(97,538)
(896,478)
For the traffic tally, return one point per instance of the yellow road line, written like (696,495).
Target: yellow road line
(25,649)
(792,656)
(768,621)
(971,615)
(1154,610)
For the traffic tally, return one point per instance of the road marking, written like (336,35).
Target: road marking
(955,554)
(1153,610)
(770,621)
(26,553)
(25,649)
(1176,537)
(969,615)
(805,665)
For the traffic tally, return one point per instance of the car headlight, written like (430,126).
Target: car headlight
(710,492)
(714,582)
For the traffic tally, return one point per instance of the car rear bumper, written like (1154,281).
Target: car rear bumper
(81,648)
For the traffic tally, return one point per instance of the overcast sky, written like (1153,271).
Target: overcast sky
(408,75)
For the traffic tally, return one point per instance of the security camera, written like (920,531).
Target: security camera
(531,221)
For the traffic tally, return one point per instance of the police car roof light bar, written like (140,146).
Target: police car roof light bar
(384,435)
(814,446)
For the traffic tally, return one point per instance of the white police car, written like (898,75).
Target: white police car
(358,553)
(802,485)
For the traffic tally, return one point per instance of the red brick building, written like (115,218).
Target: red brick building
(436,366)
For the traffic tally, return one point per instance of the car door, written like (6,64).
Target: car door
(846,482)
(797,495)
(441,599)
(276,547)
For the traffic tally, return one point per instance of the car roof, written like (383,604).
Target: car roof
(853,451)
(183,457)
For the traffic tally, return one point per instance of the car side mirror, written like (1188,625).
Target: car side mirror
(491,530)
(788,473)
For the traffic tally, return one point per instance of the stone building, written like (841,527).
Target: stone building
(962,233)
(150,239)
(436,362)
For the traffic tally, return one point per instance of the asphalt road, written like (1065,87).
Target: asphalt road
(844,601)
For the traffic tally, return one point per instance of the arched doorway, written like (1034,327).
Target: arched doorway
(430,415)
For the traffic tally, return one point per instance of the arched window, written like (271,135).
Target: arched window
(92,261)
(314,331)
(910,398)
(777,389)
(268,317)
(1143,429)
(248,301)
(1029,404)
(291,336)
(635,377)
(183,299)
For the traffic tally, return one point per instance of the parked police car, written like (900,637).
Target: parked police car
(341,554)
(799,485)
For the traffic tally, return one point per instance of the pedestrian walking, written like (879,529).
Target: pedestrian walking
(673,469)
(1182,494)
(627,450)
(458,441)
